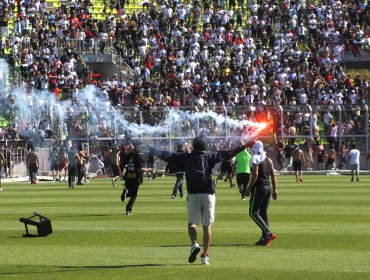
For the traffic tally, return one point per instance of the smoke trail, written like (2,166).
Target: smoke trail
(94,104)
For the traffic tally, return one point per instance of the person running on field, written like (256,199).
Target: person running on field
(260,192)
(134,163)
(115,165)
(73,160)
(243,170)
(62,159)
(201,189)
(180,175)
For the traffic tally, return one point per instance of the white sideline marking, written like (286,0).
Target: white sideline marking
(182,228)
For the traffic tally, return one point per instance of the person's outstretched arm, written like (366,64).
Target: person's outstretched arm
(161,154)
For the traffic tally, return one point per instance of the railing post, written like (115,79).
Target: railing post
(340,130)
(226,126)
(281,121)
(311,123)
(367,128)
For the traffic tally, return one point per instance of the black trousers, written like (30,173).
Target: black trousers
(242,179)
(131,189)
(178,184)
(258,205)
(71,174)
(80,172)
(32,168)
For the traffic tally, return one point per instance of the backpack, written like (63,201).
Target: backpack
(196,175)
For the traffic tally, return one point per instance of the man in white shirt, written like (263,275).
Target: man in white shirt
(354,161)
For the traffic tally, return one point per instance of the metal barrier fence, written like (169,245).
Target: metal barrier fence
(16,160)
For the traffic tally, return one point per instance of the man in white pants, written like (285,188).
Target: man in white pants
(354,161)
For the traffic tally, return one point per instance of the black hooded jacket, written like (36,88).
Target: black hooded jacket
(185,161)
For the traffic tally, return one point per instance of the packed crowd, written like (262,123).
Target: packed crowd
(207,54)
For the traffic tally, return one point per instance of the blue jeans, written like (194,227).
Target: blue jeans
(178,184)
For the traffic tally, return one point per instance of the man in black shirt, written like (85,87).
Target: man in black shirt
(260,192)
(201,189)
(134,164)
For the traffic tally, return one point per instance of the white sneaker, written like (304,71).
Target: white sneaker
(204,260)
(113,183)
(194,250)
(1,189)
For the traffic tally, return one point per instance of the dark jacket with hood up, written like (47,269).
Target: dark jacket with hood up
(184,162)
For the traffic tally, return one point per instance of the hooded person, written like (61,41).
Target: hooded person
(258,153)
(260,192)
(201,189)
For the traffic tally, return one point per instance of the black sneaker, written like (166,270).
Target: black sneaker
(260,242)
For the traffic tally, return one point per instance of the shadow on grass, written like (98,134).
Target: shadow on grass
(83,215)
(212,245)
(110,266)
(233,245)
(81,268)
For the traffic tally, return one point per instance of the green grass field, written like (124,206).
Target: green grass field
(323,228)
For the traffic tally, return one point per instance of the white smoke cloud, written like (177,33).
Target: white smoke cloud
(91,101)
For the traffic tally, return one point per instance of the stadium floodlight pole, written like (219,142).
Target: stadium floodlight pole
(340,131)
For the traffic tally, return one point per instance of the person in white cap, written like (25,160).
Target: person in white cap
(260,191)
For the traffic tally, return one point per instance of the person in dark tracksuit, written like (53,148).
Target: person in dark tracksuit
(134,164)
(260,191)
(73,160)
(201,189)
(180,175)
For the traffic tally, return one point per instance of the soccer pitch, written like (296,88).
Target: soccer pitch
(323,228)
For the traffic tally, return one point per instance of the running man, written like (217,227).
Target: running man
(243,170)
(201,202)
(260,191)
(134,167)
(115,164)
(62,165)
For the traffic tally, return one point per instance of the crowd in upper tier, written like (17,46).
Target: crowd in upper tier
(194,53)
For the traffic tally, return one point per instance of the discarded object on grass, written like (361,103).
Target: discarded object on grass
(43,226)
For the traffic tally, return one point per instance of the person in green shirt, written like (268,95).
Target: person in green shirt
(243,170)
